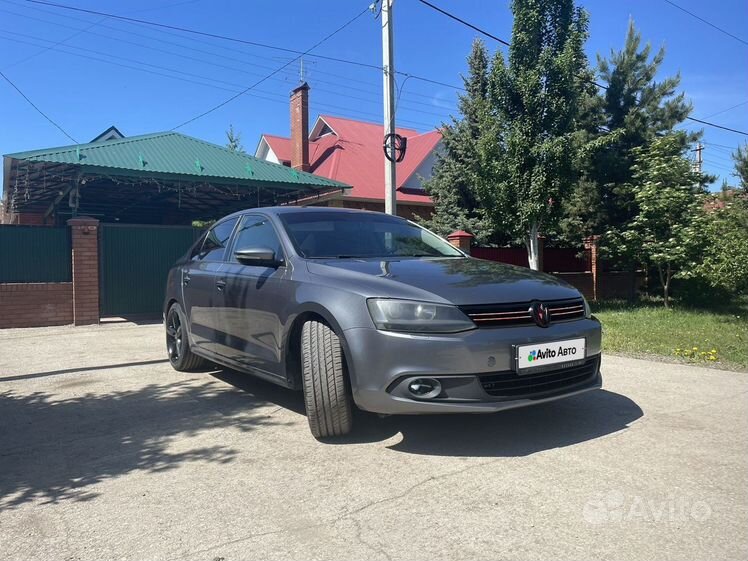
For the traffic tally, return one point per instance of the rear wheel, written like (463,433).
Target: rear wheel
(328,404)
(177,342)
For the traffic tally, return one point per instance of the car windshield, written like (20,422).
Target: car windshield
(358,234)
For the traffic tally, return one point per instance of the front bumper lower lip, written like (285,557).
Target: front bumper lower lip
(390,404)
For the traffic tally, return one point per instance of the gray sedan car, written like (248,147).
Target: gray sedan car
(363,308)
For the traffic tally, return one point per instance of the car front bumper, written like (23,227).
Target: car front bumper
(473,368)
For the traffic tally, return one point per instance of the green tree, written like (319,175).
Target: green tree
(633,111)
(724,228)
(528,146)
(669,200)
(452,185)
(740,157)
(234,141)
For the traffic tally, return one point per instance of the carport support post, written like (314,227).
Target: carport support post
(85,242)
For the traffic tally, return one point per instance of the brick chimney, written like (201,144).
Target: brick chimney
(300,127)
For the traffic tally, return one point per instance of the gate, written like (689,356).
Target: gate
(134,261)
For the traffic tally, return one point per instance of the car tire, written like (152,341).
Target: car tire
(181,357)
(326,397)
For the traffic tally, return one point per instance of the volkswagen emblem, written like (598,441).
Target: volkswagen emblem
(540,314)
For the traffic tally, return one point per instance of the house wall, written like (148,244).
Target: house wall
(264,152)
(422,172)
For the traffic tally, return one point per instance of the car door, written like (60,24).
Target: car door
(199,289)
(251,297)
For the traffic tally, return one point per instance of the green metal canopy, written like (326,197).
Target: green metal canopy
(162,173)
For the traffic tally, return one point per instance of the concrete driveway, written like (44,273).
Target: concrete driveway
(106,452)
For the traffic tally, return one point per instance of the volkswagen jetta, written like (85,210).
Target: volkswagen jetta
(356,307)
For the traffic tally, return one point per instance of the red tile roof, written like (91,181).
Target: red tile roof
(352,154)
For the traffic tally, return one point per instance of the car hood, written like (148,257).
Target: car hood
(462,281)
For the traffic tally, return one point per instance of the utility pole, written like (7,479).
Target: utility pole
(699,157)
(390,179)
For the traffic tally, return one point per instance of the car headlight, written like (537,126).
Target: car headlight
(417,317)
(587,309)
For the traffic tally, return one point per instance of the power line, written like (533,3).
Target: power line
(80,31)
(57,14)
(721,151)
(463,22)
(212,63)
(273,73)
(710,24)
(244,53)
(716,126)
(726,110)
(603,86)
(60,42)
(722,161)
(206,81)
(714,153)
(242,41)
(335,59)
(719,168)
(201,80)
(723,146)
(42,113)
(206,33)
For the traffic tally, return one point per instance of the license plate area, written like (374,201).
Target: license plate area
(550,355)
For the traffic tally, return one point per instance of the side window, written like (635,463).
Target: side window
(257,231)
(216,240)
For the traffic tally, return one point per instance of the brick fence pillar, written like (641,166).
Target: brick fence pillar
(592,243)
(85,238)
(461,240)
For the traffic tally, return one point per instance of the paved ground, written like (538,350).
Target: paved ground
(105,452)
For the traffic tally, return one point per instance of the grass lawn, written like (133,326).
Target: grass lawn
(647,328)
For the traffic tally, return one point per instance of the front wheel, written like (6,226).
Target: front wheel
(328,404)
(177,342)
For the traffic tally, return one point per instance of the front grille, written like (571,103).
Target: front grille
(508,315)
(511,384)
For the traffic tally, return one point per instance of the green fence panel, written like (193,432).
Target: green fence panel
(35,254)
(134,262)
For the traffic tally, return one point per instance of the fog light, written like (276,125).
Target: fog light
(425,388)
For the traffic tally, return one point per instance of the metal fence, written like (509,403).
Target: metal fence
(134,261)
(34,254)
(555,259)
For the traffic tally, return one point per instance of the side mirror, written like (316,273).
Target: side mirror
(258,256)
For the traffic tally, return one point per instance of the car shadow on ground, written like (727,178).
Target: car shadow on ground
(512,433)
(516,432)
(56,447)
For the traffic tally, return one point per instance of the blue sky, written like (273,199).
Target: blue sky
(87,72)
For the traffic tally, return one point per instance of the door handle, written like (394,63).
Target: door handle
(221,284)
(186,279)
